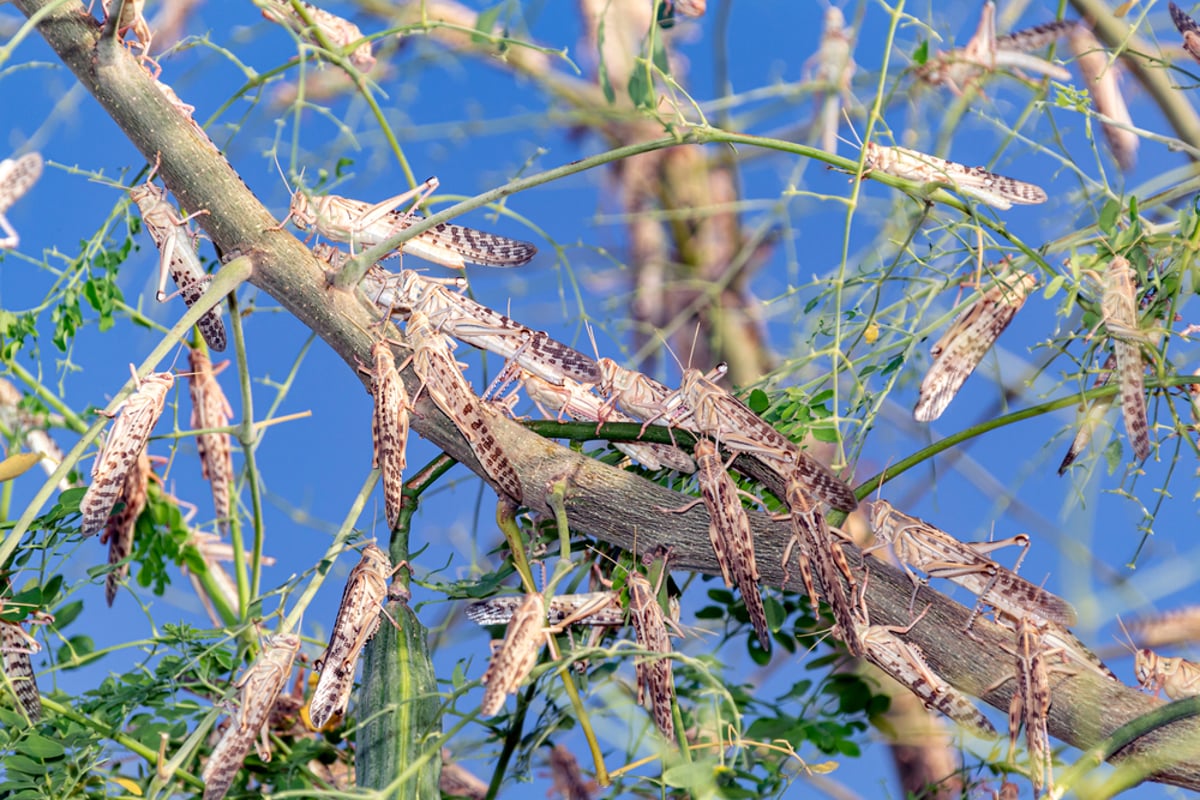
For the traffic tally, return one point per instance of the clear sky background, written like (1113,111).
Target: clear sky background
(476,126)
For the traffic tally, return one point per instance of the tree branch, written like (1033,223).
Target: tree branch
(604,502)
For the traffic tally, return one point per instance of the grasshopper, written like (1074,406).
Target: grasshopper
(964,344)
(478,325)
(338,31)
(176,244)
(729,533)
(1179,626)
(905,662)
(810,531)
(994,190)
(700,405)
(121,449)
(357,223)
(1092,417)
(576,400)
(434,364)
(1100,75)
(119,530)
(259,687)
(389,428)
(1188,28)
(653,672)
(514,657)
(637,394)
(1120,312)
(919,545)
(601,609)
(986,52)
(835,70)
(457,781)
(17,176)
(567,777)
(210,409)
(16,647)
(1031,700)
(1176,676)
(357,620)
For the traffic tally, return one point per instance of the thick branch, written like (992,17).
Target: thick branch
(604,502)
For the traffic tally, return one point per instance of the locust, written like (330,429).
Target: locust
(479,326)
(259,687)
(654,680)
(514,657)
(590,608)
(964,344)
(126,441)
(1120,313)
(1092,417)
(441,377)
(456,781)
(1100,74)
(178,258)
(816,543)
(987,187)
(920,545)
(16,647)
(389,428)
(346,220)
(1174,675)
(905,662)
(357,620)
(637,394)
(1188,28)
(567,777)
(17,176)
(119,530)
(577,401)
(986,52)
(1031,700)
(338,31)
(210,410)
(132,18)
(700,405)
(729,533)
(1180,626)
(835,70)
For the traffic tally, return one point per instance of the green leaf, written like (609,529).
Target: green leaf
(758,401)
(484,23)
(23,764)
(65,615)
(921,54)
(641,87)
(823,433)
(660,57)
(41,748)
(1108,218)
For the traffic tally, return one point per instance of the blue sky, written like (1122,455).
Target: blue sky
(475,127)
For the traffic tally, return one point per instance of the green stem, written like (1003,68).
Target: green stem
(1132,772)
